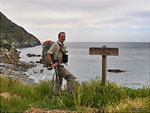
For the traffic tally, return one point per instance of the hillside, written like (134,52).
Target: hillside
(16,35)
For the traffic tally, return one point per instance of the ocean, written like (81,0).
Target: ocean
(134,58)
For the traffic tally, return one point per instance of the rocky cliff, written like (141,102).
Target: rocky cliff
(15,35)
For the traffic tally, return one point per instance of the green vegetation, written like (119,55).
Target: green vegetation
(88,97)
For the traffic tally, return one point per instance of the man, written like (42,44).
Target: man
(56,52)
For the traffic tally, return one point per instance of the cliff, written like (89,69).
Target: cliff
(15,35)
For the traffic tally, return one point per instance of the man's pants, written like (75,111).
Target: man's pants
(64,73)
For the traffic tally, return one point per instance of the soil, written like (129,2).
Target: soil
(33,110)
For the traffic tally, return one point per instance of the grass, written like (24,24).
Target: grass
(128,105)
(89,96)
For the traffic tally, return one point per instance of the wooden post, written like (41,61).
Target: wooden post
(104,51)
(104,69)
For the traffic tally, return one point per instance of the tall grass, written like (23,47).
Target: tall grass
(89,96)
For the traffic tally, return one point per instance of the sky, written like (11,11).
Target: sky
(82,20)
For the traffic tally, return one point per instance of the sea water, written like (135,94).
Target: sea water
(134,58)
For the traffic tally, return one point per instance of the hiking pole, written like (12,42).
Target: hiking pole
(51,85)
(57,79)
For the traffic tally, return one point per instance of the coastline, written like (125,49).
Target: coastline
(18,71)
(12,66)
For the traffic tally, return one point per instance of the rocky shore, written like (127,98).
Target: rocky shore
(11,66)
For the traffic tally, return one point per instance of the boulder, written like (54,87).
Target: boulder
(9,56)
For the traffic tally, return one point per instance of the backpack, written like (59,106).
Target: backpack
(45,47)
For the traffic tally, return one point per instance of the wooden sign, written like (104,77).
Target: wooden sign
(104,51)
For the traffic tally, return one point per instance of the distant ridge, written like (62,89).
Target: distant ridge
(16,35)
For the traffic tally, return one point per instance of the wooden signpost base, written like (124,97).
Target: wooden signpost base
(104,51)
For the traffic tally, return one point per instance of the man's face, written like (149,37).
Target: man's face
(62,37)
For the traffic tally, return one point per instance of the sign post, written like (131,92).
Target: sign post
(104,51)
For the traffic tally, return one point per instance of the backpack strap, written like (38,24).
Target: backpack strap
(60,49)
(65,56)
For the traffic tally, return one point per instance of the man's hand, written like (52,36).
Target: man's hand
(50,60)
(55,64)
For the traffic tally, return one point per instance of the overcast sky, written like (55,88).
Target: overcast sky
(82,20)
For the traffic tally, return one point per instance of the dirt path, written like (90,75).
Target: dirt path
(33,110)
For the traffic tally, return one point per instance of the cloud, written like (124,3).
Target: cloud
(141,14)
(82,12)
(42,15)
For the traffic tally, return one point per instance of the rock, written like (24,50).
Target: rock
(32,62)
(30,55)
(35,72)
(41,71)
(49,68)
(11,56)
(11,66)
(41,62)
(38,55)
(7,46)
(27,75)
(115,70)
(33,55)
(17,70)
(38,62)
(6,95)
